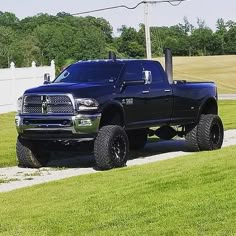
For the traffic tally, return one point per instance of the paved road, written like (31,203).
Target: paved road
(227,96)
(59,169)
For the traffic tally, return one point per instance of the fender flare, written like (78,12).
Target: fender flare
(118,106)
(203,104)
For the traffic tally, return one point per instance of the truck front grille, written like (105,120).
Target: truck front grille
(47,104)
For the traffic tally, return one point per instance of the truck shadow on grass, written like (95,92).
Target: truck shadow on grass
(85,159)
(159,147)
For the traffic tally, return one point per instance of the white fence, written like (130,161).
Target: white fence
(14,81)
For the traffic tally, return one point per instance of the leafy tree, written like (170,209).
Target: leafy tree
(220,33)
(90,44)
(103,25)
(230,40)
(173,37)
(25,50)
(187,26)
(66,38)
(129,43)
(230,24)
(54,41)
(7,36)
(8,19)
(201,38)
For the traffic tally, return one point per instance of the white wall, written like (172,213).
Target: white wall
(14,81)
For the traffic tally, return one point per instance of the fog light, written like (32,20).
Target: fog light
(85,123)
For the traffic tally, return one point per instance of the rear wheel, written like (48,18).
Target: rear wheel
(137,138)
(111,147)
(31,154)
(192,139)
(210,133)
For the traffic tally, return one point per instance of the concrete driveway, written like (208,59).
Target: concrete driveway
(227,96)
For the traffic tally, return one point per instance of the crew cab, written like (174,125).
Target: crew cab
(114,103)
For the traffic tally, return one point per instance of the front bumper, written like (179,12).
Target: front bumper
(81,126)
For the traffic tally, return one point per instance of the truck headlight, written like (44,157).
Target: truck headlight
(84,104)
(19,104)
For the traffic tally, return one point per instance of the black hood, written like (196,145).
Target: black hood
(76,89)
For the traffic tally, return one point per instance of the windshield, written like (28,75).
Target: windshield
(90,72)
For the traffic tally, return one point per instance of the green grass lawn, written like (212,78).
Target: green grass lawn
(227,111)
(8,133)
(8,136)
(193,195)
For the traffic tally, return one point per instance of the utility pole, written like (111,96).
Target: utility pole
(147,32)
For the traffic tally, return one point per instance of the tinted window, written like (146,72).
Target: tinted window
(155,68)
(90,72)
(133,71)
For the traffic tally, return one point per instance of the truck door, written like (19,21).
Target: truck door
(160,93)
(133,96)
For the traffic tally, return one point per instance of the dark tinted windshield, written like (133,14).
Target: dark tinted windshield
(90,72)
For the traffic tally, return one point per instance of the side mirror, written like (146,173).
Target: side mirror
(147,77)
(47,78)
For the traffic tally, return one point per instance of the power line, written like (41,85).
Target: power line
(177,4)
(107,8)
(172,2)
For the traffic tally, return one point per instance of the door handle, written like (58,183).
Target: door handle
(146,92)
(167,90)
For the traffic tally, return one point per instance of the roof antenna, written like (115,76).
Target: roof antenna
(112,55)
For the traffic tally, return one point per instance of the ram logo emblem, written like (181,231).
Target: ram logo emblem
(45,102)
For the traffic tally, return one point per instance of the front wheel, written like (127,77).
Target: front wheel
(31,154)
(111,147)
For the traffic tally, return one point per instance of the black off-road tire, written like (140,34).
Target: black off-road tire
(137,138)
(31,155)
(192,139)
(210,133)
(111,147)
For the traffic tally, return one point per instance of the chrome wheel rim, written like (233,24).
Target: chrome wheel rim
(118,148)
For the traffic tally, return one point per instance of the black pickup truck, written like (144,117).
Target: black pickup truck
(113,104)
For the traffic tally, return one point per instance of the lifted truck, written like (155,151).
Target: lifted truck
(114,103)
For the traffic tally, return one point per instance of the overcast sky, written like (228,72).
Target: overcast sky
(160,15)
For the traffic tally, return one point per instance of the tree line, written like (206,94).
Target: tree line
(67,38)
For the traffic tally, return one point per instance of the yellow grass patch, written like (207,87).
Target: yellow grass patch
(220,69)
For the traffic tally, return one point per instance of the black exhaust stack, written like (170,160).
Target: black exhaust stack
(112,56)
(169,65)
